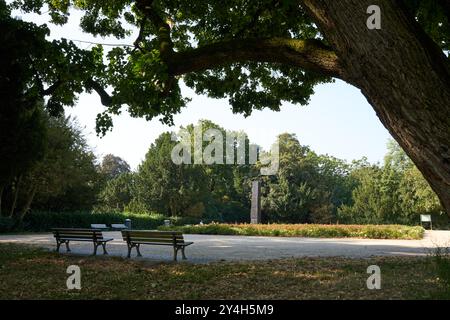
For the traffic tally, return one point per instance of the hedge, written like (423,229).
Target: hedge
(45,221)
(305,230)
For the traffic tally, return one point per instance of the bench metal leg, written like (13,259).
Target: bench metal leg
(182,253)
(175,253)
(104,248)
(138,250)
(58,244)
(129,251)
(95,248)
(67,246)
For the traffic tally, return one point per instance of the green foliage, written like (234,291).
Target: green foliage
(22,122)
(167,187)
(45,221)
(141,74)
(66,178)
(59,64)
(434,17)
(63,178)
(305,230)
(393,193)
(307,188)
(37,78)
(118,192)
(140,78)
(113,166)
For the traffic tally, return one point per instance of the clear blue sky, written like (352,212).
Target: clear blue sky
(338,121)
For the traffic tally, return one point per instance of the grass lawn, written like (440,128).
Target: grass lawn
(33,273)
(306,230)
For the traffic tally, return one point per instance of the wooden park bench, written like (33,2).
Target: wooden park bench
(135,238)
(118,226)
(65,235)
(100,226)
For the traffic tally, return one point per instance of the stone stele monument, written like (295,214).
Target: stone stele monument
(255,212)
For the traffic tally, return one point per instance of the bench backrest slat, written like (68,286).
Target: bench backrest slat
(78,233)
(118,226)
(152,236)
(99,226)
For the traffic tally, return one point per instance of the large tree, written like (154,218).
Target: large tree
(113,166)
(65,178)
(259,53)
(169,188)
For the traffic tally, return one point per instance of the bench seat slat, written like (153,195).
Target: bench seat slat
(81,235)
(86,239)
(78,236)
(91,236)
(169,240)
(152,234)
(185,244)
(79,231)
(153,231)
(73,229)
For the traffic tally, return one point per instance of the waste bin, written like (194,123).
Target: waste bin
(128,223)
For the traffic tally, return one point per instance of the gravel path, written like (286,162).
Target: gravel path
(209,248)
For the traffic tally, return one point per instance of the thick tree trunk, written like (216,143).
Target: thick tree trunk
(2,188)
(21,214)
(15,195)
(402,73)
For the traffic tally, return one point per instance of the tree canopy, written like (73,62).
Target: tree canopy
(256,54)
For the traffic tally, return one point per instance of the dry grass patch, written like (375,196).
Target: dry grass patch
(31,273)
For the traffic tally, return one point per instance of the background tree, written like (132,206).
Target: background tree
(118,192)
(169,188)
(375,199)
(393,193)
(228,183)
(22,121)
(308,188)
(66,178)
(37,77)
(113,166)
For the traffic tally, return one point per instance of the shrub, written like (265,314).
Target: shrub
(6,224)
(306,230)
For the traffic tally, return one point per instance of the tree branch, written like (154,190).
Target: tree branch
(105,98)
(162,27)
(310,55)
(50,90)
